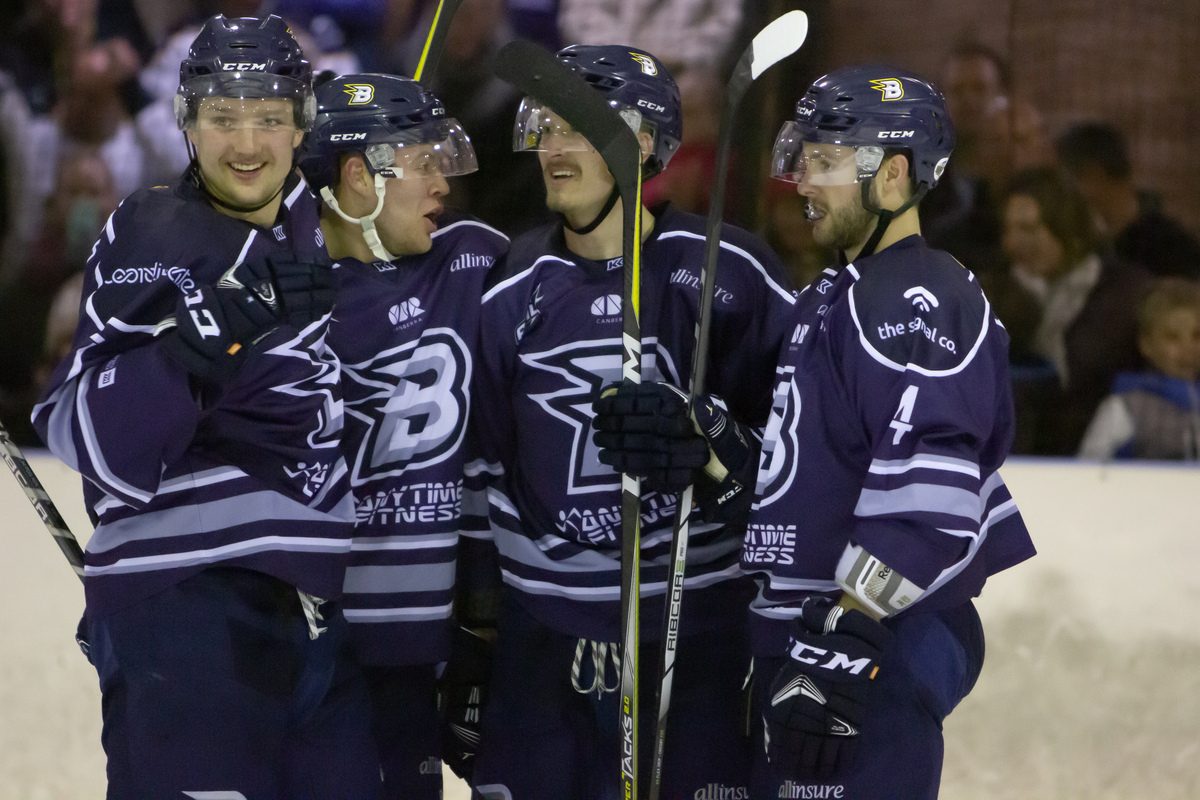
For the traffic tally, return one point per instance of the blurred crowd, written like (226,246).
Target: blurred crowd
(1096,285)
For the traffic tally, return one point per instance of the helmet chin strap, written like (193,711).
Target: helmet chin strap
(369,232)
(651,166)
(613,197)
(885,216)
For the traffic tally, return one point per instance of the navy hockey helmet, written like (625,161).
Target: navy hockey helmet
(380,116)
(632,79)
(399,127)
(870,108)
(245,57)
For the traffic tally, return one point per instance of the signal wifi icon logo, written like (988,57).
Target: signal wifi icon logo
(922,298)
(608,305)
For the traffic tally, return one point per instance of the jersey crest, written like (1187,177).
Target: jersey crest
(413,400)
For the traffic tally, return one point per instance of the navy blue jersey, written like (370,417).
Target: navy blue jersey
(892,414)
(407,335)
(552,333)
(250,476)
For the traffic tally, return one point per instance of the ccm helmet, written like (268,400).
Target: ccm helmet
(867,110)
(870,107)
(633,81)
(246,57)
(399,127)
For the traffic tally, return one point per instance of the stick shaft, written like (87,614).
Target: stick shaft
(55,524)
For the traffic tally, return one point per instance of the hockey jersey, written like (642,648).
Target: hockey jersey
(177,478)
(552,334)
(407,334)
(891,417)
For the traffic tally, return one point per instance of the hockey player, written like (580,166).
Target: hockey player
(409,277)
(554,326)
(201,405)
(879,510)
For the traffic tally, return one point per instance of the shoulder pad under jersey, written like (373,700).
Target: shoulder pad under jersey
(919,309)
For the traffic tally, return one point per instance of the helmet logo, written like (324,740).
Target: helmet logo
(890,88)
(360,93)
(645,62)
(650,104)
(244,66)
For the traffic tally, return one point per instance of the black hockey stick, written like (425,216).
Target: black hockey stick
(41,502)
(538,73)
(435,40)
(778,40)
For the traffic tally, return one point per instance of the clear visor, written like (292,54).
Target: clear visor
(248,91)
(819,163)
(232,114)
(437,148)
(539,128)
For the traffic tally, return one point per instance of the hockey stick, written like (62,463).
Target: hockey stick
(435,40)
(41,502)
(778,40)
(538,73)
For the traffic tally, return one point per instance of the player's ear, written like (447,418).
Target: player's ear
(355,175)
(297,138)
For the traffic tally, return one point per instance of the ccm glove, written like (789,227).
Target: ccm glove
(643,429)
(462,692)
(821,694)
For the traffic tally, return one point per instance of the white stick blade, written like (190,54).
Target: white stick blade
(778,40)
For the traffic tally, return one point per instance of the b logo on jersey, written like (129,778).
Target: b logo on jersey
(645,62)
(777,466)
(413,399)
(890,88)
(360,93)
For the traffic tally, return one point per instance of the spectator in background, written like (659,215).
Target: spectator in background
(1064,302)
(998,134)
(1156,413)
(689,33)
(485,106)
(1096,155)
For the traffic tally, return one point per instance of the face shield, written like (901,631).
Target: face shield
(795,160)
(538,128)
(425,151)
(245,93)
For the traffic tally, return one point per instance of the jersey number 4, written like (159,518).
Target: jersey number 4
(901,421)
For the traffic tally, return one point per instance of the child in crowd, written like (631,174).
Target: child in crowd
(1156,413)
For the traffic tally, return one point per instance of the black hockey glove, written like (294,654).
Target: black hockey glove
(727,488)
(820,695)
(217,326)
(643,429)
(304,291)
(462,691)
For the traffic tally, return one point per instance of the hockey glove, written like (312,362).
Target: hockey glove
(303,291)
(462,691)
(217,326)
(727,488)
(643,429)
(820,695)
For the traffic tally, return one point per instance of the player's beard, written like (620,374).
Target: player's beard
(844,228)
